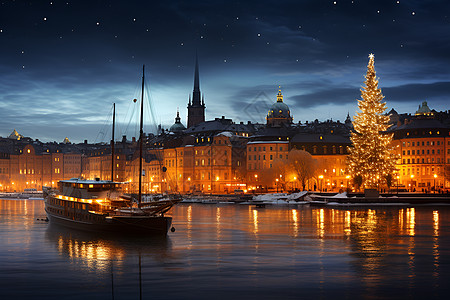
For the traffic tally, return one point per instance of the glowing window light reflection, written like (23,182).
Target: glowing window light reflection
(320,223)
(218,220)
(295,219)
(436,255)
(410,221)
(347,228)
(436,222)
(255,221)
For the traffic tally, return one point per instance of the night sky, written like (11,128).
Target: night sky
(63,63)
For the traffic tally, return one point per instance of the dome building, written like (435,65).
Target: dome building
(279,114)
(177,126)
(424,110)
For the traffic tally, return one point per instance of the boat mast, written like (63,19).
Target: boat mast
(112,142)
(141,137)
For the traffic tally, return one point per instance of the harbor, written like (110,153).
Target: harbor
(232,251)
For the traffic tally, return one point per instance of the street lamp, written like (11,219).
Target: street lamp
(435,176)
(347,177)
(276,184)
(412,176)
(280,181)
(398,178)
(320,182)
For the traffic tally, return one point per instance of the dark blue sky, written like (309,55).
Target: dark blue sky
(63,63)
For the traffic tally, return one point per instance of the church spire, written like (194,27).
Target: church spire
(196,108)
(196,92)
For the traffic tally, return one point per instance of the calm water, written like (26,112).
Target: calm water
(232,252)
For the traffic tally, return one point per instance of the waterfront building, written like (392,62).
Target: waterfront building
(268,151)
(423,147)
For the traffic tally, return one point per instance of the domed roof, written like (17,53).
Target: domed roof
(177,126)
(424,109)
(279,112)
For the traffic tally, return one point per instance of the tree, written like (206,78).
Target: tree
(371,155)
(303,165)
(279,173)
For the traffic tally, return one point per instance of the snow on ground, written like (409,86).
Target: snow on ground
(280,198)
(341,195)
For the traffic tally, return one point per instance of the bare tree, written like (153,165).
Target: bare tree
(303,165)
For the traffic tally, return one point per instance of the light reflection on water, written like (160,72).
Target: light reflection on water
(226,251)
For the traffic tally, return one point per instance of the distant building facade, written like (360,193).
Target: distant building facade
(423,145)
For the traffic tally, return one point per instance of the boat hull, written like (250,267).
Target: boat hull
(130,225)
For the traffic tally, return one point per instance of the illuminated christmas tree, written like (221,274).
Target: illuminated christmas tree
(371,159)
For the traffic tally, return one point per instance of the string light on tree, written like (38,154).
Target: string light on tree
(371,158)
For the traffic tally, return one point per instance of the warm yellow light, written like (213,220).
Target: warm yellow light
(256,175)
(320,176)
(412,176)
(348,176)
(217,178)
(276,180)
(295,178)
(189,178)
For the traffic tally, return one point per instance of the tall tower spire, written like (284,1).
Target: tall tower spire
(196,92)
(196,108)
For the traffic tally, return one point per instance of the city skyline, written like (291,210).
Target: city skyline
(64,63)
